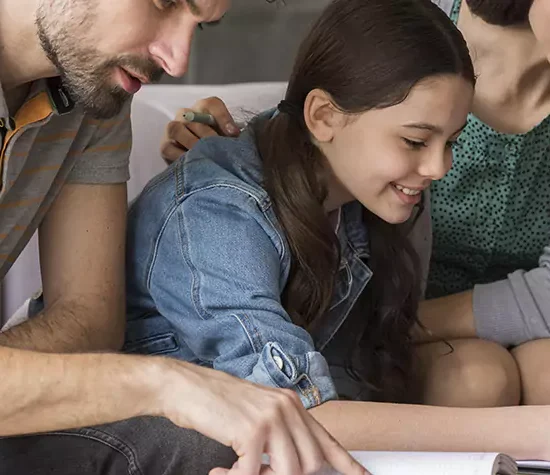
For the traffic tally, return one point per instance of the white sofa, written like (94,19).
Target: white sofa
(153,108)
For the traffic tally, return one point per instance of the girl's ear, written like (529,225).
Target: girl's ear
(322,118)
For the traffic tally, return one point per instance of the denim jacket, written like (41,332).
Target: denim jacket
(207,262)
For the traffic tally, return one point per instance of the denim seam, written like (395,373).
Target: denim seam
(150,187)
(316,393)
(169,216)
(225,185)
(195,281)
(110,441)
(311,392)
(225,182)
(184,246)
(250,338)
(281,241)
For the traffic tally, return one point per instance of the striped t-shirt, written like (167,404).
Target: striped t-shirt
(48,143)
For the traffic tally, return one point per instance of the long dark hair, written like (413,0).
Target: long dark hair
(366,54)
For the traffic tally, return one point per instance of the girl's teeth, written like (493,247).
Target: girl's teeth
(408,191)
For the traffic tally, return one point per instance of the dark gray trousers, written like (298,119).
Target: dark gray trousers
(140,446)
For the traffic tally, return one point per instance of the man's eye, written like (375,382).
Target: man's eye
(201,25)
(166,4)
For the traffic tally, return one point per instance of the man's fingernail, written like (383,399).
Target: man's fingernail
(232,129)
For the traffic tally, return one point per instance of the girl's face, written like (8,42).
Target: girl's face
(385,158)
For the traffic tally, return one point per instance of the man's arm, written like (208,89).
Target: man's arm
(43,392)
(82,262)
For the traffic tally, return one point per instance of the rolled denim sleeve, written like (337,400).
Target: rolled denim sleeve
(217,277)
(517,309)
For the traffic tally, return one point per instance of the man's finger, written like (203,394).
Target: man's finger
(310,455)
(219,471)
(250,458)
(282,452)
(335,455)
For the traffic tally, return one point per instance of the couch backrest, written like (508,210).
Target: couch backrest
(152,109)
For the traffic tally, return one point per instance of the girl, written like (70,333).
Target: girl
(282,256)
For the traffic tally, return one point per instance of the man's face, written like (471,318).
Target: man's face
(105,50)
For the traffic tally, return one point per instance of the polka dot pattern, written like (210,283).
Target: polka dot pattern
(491,213)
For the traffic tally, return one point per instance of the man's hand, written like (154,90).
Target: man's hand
(180,135)
(252,420)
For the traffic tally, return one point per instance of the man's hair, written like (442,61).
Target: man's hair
(501,12)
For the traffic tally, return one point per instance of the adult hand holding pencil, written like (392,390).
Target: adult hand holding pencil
(206,118)
(200,118)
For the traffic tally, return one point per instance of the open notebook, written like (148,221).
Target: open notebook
(435,463)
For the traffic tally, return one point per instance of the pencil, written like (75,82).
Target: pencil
(199,118)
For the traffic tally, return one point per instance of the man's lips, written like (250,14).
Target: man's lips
(140,78)
(128,82)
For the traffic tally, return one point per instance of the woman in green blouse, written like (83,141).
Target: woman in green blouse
(488,288)
(490,267)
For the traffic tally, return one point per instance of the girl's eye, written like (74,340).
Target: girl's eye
(414,144)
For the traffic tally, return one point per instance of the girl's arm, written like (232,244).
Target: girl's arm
(521,432)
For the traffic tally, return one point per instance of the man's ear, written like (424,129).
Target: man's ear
(321,116)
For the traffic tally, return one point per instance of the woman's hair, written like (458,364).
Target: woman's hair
(367,54)
(501,12)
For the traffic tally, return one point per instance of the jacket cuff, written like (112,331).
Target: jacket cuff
(308,375)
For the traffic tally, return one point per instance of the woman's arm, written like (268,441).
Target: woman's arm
(517,309)
(510,311)
(521,432)
(446,318)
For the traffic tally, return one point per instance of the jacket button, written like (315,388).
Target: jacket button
(278,361)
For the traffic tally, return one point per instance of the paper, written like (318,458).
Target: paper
(433,463)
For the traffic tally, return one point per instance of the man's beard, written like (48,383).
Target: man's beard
(87,76)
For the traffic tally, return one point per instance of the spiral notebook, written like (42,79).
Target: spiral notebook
(443,463)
